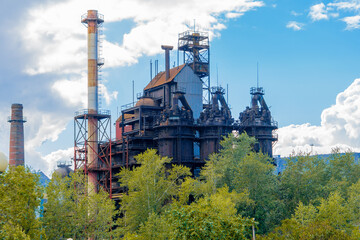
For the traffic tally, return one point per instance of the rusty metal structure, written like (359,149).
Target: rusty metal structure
(257,122)
(16,120)
(214,123)
(177,114)
(196,53)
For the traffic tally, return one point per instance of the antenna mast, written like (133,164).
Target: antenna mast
(217,76)
(257,75)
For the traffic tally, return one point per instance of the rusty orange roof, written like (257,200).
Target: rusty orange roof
(160,78)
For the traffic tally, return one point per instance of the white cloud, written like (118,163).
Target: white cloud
(73,91)
(335,9)
(340,127)
(296,26)
(63,155)
(233,15)
(346,5)
(59,39)
(105,95)
(44,127)
(318,12)
(295,14)
(48,163)
(352,22)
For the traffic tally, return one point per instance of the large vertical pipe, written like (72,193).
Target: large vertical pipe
(16,151)
(167,59)
(92,20)
(151,70)
(167,72)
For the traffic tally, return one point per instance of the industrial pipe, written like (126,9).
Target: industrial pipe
(185,103)
(167,73)
(225,106)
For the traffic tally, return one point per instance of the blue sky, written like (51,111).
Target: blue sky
(308,56)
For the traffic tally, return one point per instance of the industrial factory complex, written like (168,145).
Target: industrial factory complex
(178,113)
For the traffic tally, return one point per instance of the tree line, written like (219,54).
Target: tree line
(237,192)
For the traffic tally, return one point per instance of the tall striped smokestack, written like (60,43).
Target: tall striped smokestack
(16,152)
(92,19)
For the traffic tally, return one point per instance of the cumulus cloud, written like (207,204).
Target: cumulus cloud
(346,5)
(352,22)
(340,127)
(318,12)
(335,9)
(296,26)
(48,162)
(73,91)
(59,40)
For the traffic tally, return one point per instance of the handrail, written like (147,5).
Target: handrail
(273,123)
(127,106)
(255,90)
(191,32)
(86,111)
(99,16)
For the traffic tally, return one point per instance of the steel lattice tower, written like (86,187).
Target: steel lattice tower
(196,49)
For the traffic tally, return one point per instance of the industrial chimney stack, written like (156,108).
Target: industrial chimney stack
(16,153)
(167,59)
(92,20)
(167,72)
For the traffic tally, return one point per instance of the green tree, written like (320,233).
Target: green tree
(335,211)
(255,173)
(343,171)
(308,179)
(150,187)
(292,230)
(243,170)
(304,214)
(71,213)
(221,168)
(353,203)
(303,180)
(209,217)
(330,220)
(20,194)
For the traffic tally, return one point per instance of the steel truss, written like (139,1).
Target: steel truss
(82,145)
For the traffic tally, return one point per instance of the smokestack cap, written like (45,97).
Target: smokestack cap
(166,47)
(16,105)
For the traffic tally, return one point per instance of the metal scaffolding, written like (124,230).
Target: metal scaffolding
(196,48)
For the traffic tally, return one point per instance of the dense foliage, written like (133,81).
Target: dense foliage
(313,198)
(237,191)
(71,212)
(20,196)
